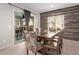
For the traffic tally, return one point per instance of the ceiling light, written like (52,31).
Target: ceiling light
(51,6)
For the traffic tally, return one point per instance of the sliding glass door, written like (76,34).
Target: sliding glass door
(19,25)
(22,24)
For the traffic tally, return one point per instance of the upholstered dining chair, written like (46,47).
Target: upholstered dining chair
(55,44)
(31,42)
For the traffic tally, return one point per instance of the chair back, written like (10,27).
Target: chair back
(31,42)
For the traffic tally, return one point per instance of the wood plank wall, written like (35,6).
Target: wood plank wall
(71,15)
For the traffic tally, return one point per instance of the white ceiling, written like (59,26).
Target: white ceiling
(44,7)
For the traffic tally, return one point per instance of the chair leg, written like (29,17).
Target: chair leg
(59,51)
(35,53)
(62,49)
(27,51)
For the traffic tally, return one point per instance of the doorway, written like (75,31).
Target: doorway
(19,26)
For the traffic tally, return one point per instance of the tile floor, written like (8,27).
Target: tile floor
(17,49)
(70,47)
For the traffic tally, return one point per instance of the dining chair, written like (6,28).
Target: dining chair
(31,42)
(55,44)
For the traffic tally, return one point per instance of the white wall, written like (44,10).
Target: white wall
(7,25)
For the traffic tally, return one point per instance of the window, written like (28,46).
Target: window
(55,23)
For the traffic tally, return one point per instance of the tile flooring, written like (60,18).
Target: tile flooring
(70,47)
(17,49)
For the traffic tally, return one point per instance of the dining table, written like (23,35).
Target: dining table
(47,36)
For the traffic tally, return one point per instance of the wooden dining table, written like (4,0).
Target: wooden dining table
(48,35)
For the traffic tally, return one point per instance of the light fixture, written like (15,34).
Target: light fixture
(51,6)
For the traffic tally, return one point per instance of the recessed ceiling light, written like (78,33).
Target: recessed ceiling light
(51,6)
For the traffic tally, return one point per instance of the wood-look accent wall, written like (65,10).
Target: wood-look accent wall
(71,18)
